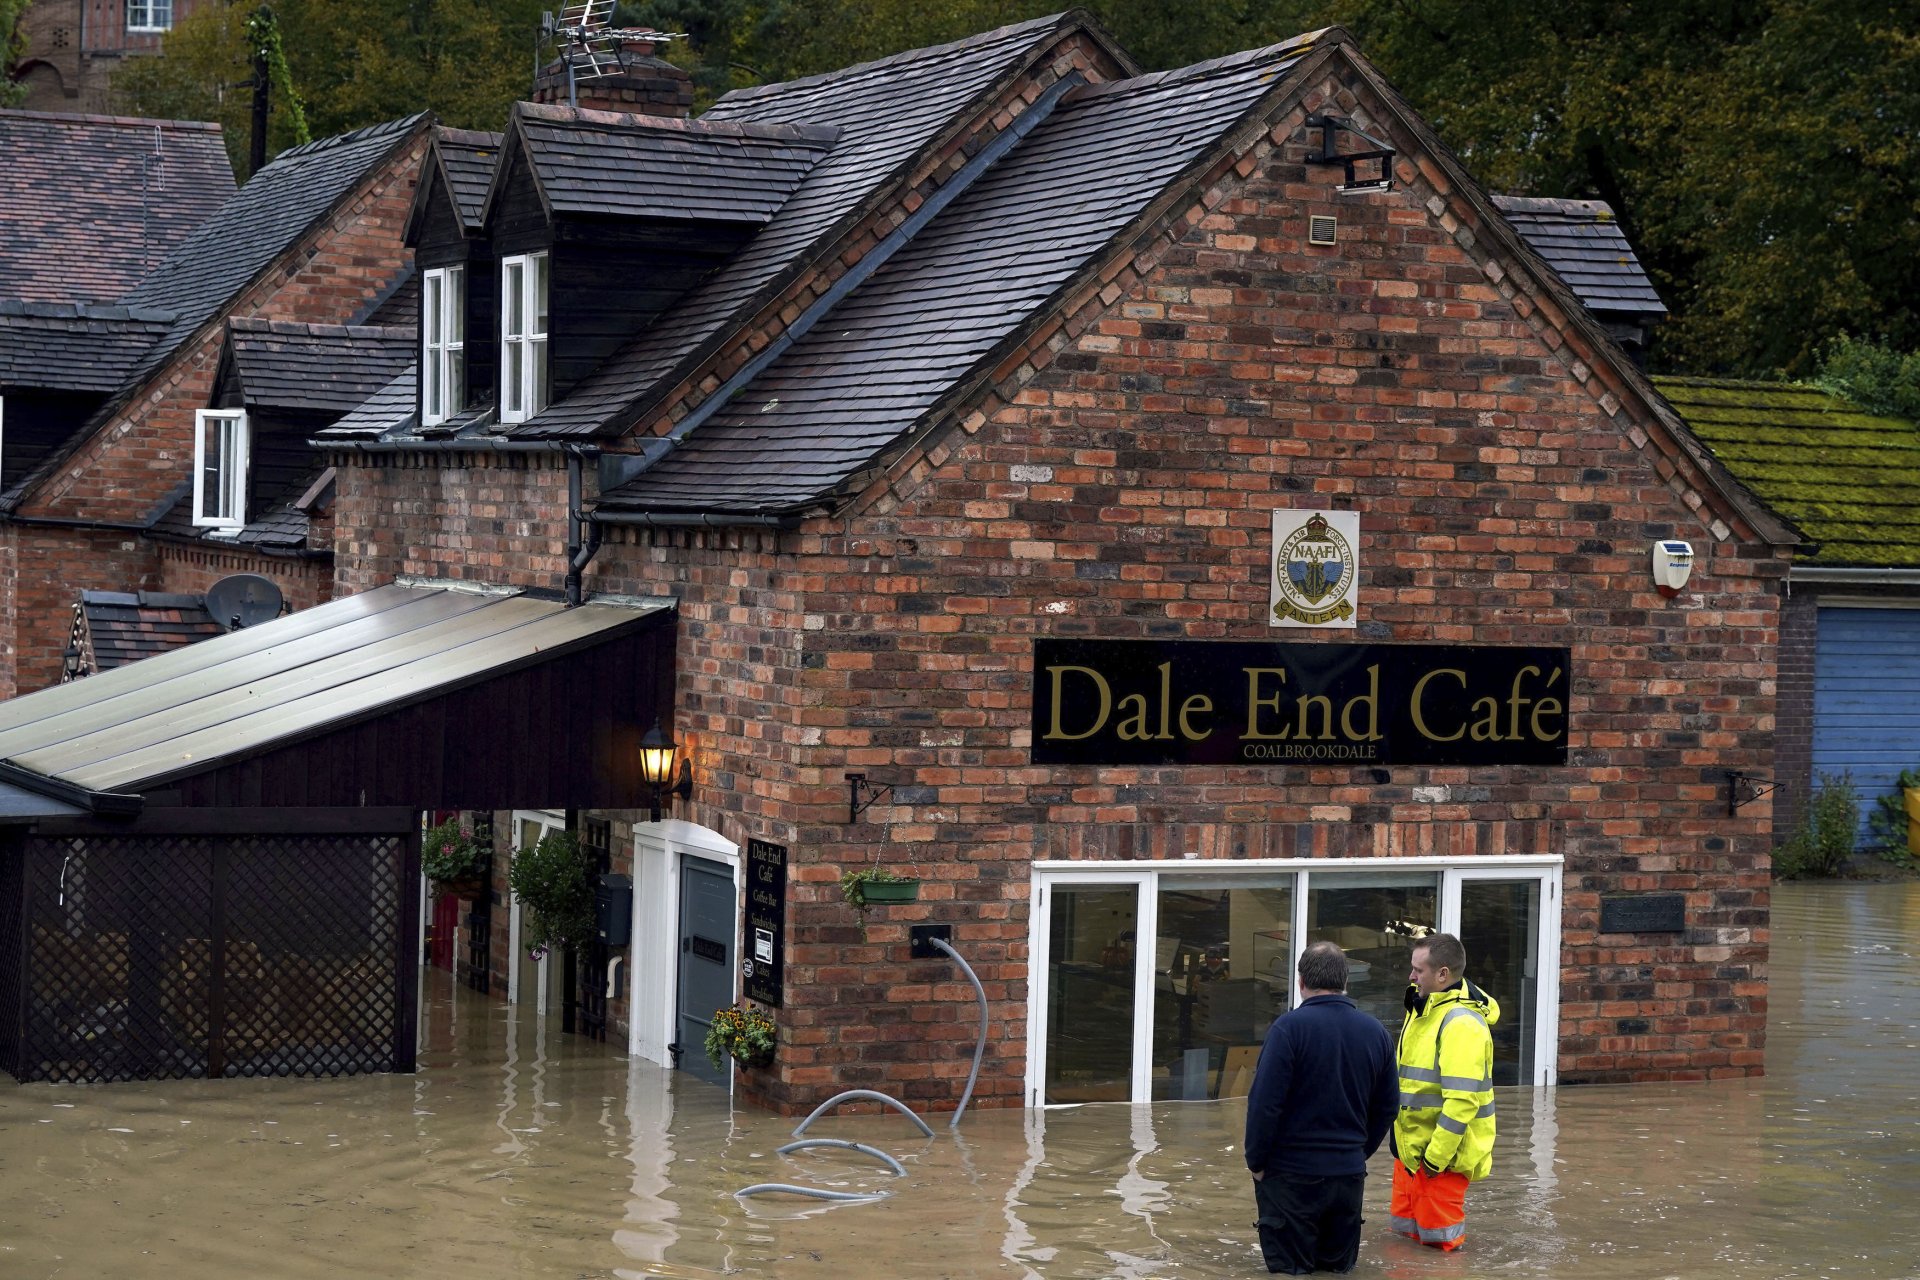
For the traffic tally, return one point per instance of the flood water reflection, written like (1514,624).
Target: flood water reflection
(520,1152)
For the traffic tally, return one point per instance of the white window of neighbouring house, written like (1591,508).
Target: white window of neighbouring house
(443,344)
(523,336)
(149,15)
(1158,982)
(220,469)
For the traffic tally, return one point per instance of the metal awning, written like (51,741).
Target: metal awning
(414,694)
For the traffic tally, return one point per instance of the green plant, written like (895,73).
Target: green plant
(742,1033)
(1887,821)
(553,881)
(853,886)
(1877,378)
(449,854)
(1822,841)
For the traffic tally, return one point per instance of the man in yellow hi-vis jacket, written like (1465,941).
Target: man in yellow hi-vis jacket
(1443,1136)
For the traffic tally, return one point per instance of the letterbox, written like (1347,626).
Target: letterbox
(613,910)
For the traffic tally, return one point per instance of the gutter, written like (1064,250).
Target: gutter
(691,520)
(465,444)
(108,803)
(1904,577)
(70,522)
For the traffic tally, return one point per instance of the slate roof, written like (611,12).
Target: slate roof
(887,112)
(1583,242)
(80,346)
(605,164)
(885,357)
(466,157)
(89,204)
(394,407)
(264,219)
(314,368)
(113,628)
(1848,478)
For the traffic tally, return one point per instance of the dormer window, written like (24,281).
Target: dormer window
(523,336)
(149,15)
(443,332)
(220,468)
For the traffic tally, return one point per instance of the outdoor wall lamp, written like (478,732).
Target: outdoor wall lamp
(657,751)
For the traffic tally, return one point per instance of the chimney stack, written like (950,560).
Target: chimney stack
(645,84)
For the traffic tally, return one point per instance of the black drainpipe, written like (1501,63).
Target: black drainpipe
(583,535)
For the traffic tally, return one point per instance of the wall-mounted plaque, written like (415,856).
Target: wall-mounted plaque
(764,937)
(1240,702)
(1643,913)
(1315,578)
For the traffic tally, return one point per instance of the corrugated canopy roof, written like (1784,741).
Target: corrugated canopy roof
(244,692)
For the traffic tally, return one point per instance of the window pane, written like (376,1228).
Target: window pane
(1222,969)
(1091,938)
(1500,928)
(537,383)
(233,502)
(456,382)
(540,294)
(455,326)
(1375,916)
(430,387)
(430,309)
(512,319)
(213,486)
(515,377)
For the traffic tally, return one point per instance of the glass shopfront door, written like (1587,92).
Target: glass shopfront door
(1161,981)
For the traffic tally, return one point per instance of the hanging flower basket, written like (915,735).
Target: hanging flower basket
(743,1033)
(453,860)
(890,890)
(867,886)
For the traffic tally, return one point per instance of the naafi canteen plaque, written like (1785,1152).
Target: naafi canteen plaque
(1316,569)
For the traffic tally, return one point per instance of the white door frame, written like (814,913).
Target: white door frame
(549,820)
(1144,876)
(653,1011)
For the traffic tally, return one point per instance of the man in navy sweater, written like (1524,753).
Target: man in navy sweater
(1324,1095)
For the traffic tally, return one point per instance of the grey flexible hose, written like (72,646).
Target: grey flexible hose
(842,1143)
(980,1045)
(872,1094)
(818,1193)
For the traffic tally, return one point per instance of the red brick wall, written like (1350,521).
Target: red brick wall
(192,569)
(1118,478)
(1793,733)
(54,567)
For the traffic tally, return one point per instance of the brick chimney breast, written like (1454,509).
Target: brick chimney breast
(646,85)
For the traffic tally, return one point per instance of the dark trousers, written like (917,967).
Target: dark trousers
(1309,1224)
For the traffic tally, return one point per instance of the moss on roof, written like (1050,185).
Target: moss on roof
(1848,478)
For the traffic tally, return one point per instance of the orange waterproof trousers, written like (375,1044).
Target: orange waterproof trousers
(1429,1208)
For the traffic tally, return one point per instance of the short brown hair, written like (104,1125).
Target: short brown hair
(1444,952)
(1323,967)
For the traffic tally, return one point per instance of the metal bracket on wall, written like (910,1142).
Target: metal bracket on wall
(1381,152)
(920,940)
(862,795)
(1745,788)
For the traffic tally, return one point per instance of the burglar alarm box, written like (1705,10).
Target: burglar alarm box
(613,910)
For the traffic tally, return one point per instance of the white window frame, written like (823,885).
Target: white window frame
(1147,878)
(523,336)
(149,16)
(231,425)
(443,334)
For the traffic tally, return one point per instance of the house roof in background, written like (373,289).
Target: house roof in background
(264,219)
(606,164)
(118,627)
(1849,479)
(1583,242)
(78,346)
(976,275)
(314,368)
(90,204)
(888,112)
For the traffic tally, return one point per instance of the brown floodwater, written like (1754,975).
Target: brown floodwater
(516,1151)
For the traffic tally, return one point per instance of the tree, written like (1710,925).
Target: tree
(205,72)
(11,44)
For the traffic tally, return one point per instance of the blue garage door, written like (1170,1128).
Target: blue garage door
(1866,698)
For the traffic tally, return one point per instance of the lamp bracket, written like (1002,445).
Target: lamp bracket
(1744,788)
(862,795)
(1379,151)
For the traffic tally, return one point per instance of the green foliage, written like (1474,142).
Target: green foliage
(1887,821)
(742,1033)
(205,73)
(11,45)
(1873,377)
(1822,841)
(263,38)
(449,854)
(553,881)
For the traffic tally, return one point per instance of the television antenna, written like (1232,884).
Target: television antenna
(590,44)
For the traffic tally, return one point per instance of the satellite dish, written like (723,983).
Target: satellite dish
(243,600)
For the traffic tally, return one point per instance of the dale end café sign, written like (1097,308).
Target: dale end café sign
(1215,702)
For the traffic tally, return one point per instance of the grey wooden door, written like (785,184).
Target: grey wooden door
(707,930)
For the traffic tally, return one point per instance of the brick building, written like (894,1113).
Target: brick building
(975,407)
(69,49)
(117,412)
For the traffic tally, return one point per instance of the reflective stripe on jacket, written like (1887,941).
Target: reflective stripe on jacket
(1446,1082)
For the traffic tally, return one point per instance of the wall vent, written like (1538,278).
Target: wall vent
(1322,230)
